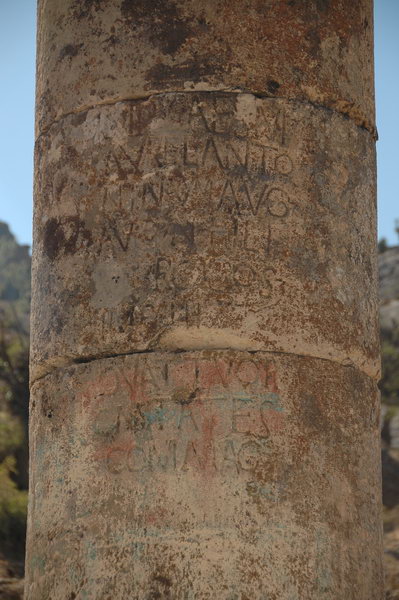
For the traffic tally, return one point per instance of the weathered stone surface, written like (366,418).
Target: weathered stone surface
(204,206)
(92,52)
(195,221)
(204,475)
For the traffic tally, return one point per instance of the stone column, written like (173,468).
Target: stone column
(204,415)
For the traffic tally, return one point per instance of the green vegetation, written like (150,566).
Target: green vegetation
(13,505)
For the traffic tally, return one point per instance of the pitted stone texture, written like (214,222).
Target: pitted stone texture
(92,52)
(205,475)
(195,221)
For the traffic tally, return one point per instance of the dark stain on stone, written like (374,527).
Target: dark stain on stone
(160,19)
(313,6)
(45,405)
(53,238)
(69,51)
(62,237)
(111,41)
(56,323)
(79,119)
(322,5)
(183,232)
(163,580)
(185,397)
(160,588)
(194,70)
(312,414)
(313,38)
(82,8)
(272,86)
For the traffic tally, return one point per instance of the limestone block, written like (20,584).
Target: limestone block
(201,475)
(193,221)
(92,52)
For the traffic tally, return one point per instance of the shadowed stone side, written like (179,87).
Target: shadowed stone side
(205,475)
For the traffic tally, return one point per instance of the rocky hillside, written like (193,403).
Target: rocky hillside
(389,316)
(15,264)
(389,287)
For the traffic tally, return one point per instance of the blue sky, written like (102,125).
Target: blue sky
(387,89)
(17,69)
(17,75)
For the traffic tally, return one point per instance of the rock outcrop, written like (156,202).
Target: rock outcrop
(389,315)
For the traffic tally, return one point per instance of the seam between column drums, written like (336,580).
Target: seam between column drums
(360,121)
(73,362)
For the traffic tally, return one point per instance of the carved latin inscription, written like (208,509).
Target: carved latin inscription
(202,213)
(209,416)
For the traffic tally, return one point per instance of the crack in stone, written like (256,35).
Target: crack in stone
(350,113)
(91,359)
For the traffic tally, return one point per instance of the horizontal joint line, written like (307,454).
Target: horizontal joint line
(359,122)
(88,359)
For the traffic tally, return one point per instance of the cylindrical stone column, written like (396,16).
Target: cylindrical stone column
(204,242)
